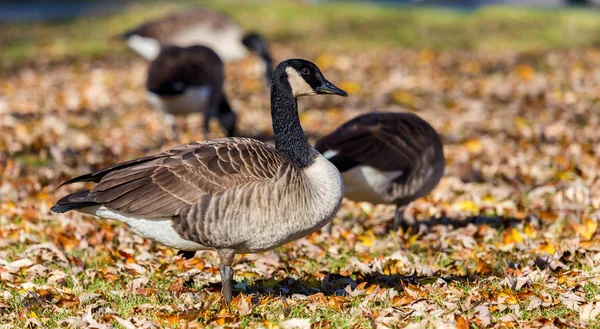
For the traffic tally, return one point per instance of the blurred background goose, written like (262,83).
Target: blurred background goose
(234,195)
(185,80)
(199,26)
(386,158)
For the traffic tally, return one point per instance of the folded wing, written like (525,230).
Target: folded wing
(166,184)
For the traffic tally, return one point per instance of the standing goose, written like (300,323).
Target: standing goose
(234,195)
(389,158)
(198,26)
(184,80)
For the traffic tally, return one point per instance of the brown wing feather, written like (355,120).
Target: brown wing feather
(170,182)
(385,141)
(163,28)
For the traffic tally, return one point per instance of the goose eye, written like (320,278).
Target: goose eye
(305,71)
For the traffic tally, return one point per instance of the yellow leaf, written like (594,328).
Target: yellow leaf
(368,238)
(520,122)
(547,248)
(403,98)
(558,94)
(513,236)
(33,315)
(351,87)
(508,298)
(473,145)
(489,198)
(324,61)
(562,175)
(468,205)
(516,235)
(530,231)
(412,240)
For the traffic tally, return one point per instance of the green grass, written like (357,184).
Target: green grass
(331,26)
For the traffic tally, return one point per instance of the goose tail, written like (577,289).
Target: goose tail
(73,201)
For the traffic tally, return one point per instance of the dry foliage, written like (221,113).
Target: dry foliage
(508,239)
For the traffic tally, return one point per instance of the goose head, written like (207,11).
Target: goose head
(304,79)
(255,42)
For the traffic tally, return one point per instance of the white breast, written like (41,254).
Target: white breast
(327,187)
(193,100)
(364,183)
(146,47)
(157,229)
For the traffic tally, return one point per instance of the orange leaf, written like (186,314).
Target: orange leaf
(483,268)
(402,300)
(461,323)
(269,325)
(67,241)
(176,286)
(526,72)
(587,229)
(361,286)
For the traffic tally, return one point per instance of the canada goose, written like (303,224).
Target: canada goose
(198,26)
(234,195)
(389,158)
(184,80)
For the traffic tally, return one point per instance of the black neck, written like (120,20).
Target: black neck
(289,137)
(224,106)
(268,65)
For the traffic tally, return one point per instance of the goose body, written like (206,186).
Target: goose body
(185,80)
(198,26)
(233,195)
(230,193)
(386,158)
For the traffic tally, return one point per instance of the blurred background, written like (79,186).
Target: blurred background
(56,29)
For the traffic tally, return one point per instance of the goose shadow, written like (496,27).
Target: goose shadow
(427,225)
(334,284)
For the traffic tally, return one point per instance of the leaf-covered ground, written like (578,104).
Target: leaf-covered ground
(508,239)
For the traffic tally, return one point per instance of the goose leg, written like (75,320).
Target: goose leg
(399,217)
(226,258)
(328,228)
(170,120)
(228,123)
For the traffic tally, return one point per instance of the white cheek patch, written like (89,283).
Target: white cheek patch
(299,86)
